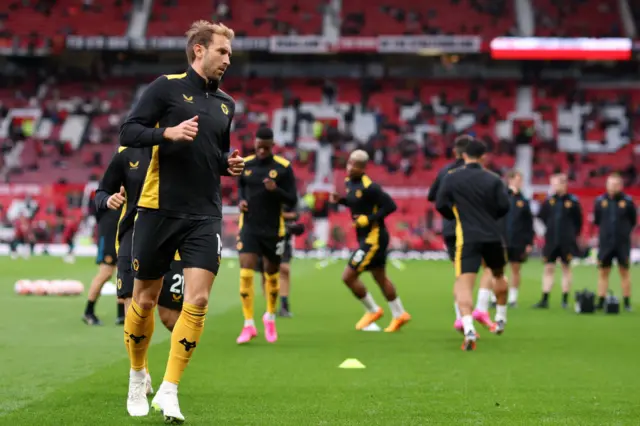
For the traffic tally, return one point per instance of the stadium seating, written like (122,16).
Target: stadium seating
(489,18)
(253,18)
(259,98)
(577,18)
(65,17)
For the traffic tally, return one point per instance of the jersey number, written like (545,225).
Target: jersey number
(280,248)
(358,256)
(178,286)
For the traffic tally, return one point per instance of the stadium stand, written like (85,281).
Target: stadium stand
(64,17)
(255,18)
(577,18)
(490,18)
(406,124)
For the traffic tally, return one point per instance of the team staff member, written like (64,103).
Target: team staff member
(106,260)
(616,216)
(476,199)
(369,205)
(519,232)
(266,187)
(562,215)
(186,118)
(449,226)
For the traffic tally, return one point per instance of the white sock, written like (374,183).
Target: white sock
(513,295)
(270,317)
(501,313)
(168,387)
(467,323)
(369,304)
(249,323)
(457,309)
(138,374)
(396,307)
(493,297)
(484,296)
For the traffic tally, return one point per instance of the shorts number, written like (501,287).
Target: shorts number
(219,244)
(280,248)
(178,286)
(358,256)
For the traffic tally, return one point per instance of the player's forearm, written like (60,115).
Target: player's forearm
(135,135)
(383,211)
(288,197)
(101,199)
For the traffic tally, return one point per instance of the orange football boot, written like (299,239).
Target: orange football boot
(369,318)
(397,323)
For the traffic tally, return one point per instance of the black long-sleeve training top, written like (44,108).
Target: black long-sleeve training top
(616,216)
(518,222)
(127,168)
(365,197)
(448,226)
(183,178)
(562,215)
(476,199)
(264,215)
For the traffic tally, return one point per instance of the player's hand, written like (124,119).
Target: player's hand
(270,184)
(529,249)
(236,163)
(183,132)
(361,221)
(243,205)
(334,197)
(116,200)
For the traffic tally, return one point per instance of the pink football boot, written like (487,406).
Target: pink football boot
(248,333)
(270,332)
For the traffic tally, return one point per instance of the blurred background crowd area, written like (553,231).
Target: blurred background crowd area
(399,79)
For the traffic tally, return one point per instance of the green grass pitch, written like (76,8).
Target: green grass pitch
(551,367)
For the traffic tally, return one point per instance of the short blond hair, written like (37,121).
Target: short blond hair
(201,32)
(360,157)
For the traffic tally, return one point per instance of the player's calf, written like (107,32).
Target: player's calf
(400,316)
(547,285)
(373,311)
(169,317)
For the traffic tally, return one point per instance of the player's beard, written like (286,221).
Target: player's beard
(210,68)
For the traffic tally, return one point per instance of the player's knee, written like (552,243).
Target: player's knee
(349,276)
(198,298)
(145,302)
(106,271)
(284,270)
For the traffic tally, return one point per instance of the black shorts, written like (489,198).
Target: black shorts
(517,254)
(470,256)
(272,248)
(372,254)
(550,254)
(451,247)
(172,294)
(287,255)
(622,254)
(157,238)
(107,249)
